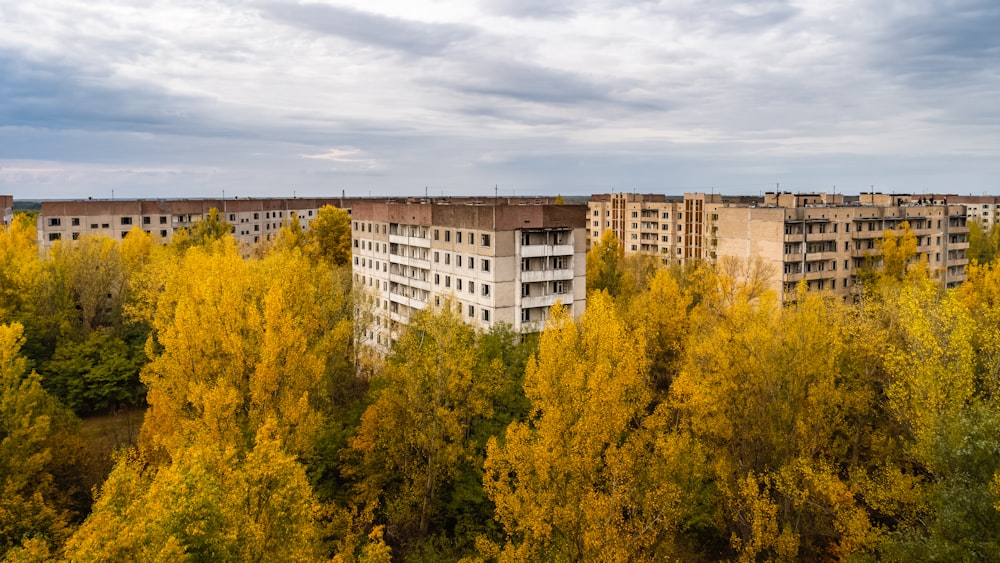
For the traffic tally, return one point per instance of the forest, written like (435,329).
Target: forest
(688,415)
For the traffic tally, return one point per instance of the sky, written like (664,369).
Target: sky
(233,98)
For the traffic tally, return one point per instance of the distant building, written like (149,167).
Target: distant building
(824,241)
(985,209)
(499,260)
(819,237)
(253,220)
(6,209)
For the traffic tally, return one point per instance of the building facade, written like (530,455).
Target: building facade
(253,220)
(496,260)
(6,210)
(822,238)
(827,241)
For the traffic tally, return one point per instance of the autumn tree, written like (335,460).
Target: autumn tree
(589,476)
(204,231)
(761,390)
(984,244)
(414,438)
(604,265)
(329,236)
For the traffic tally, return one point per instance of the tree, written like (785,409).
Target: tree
(604,265)
(204,231)
(761,390)
(589,476)
(210,504)
(414,438)
(37,440)
(329,236)
(984,245)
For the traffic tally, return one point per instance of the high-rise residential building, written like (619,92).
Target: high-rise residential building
(985,209)
(496,260)
(6,210)
(822,238)
(675,229)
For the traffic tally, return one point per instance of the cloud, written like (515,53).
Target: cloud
(407,36)
(346,155)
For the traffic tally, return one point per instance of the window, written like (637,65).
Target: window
(75,221)
(124,233)
(525,290)
(126,220)
(232,216)
(559,287)
(472,263)
(525,238)
(458,284)
(472,239)
(559,263)
(437,235)
(486,290)
(436,256)
(458,260)
(472,287)
(525,264)
(447,281)
(458,237)
(146,220)
(76,236)
(486,265)
(105,226)
(447,258)
(595,213)
(484,240)
(635,214)
(486,315)
(163,233)
(54,222)
(525,315)
(472,312)
(55,236)
(447,236)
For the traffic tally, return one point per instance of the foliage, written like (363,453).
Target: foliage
(38,446)
(329,236)
(984,245)
(414,439)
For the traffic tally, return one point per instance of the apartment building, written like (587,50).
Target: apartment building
(253,220)
(824,240)
(6,210)
(985,209)
(498,260)
(676,229)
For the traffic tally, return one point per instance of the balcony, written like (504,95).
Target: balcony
(546,275)
(409,262)
(544,300)
(541,250)
(410,241)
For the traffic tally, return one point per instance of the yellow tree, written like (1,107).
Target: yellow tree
(761,390)
(589,476)
(210,504)
(236,342)
(329,236)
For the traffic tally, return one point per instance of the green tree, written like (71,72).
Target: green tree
(37,443)
(414,439)
(984,245)
(604,265)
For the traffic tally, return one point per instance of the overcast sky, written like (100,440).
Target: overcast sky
(181,98)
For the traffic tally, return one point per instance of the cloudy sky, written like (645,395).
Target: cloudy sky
(177,98)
